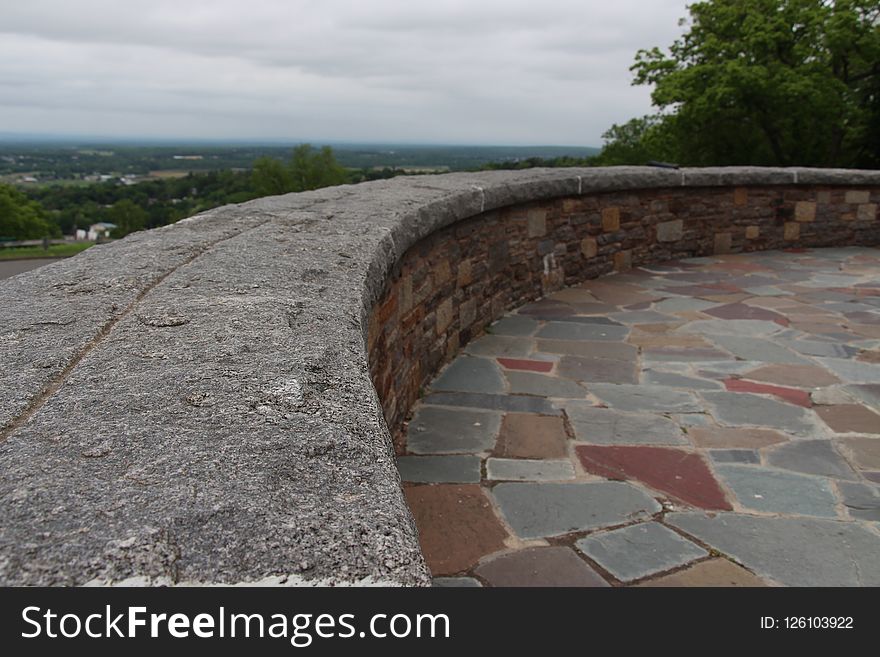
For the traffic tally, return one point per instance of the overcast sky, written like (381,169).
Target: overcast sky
(444,71)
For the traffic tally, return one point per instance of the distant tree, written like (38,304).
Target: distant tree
(307,169)
(22,218)
(774,82)
(128,217)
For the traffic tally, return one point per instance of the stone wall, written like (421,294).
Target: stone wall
(449,286)
(195,404)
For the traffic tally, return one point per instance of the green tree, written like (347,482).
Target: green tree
(20,217)
(307,169)
(128,217)
(774,82)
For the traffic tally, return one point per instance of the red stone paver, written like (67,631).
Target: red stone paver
(791,395)
(850,418)
(457,526)
(681,474)
(525,436)
(526,365)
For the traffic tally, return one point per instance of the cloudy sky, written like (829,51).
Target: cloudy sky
(444,71)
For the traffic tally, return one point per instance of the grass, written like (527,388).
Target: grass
(54,251)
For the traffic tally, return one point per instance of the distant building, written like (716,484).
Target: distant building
(100,229)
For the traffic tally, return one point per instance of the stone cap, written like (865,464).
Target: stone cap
(193,404)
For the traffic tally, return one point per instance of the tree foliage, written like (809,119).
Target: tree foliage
(22,218)
(771,82)
(307,169)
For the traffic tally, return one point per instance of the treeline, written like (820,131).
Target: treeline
(58,210)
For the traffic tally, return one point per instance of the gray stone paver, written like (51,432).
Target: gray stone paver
(536,510)
(736,409)
(452,469)
(467,374)
(604,426)
(637,399)
(498,469)
(443,430)
(639,550)
(792,551)
(777,491)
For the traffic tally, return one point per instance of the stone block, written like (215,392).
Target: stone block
(670,231)
(589,247)
(805,211)
(623,260)
(723,242)
(444,316)
(867,212)
(753,232)
(537,222)
(791,231)
(857,196)
(740,196)
(611,219)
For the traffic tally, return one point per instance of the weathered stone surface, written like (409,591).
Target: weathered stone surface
(537,510)
(453,469)
(744,409)
(792,551)
(528,383)
(778,491)
(266,393)
(501,345)
(457,525)
(861,501)
(714,573)
(735,456)
(456,582)
(865,451)
(589,349)
(639,550)
(528,470)
(678,473)
(604,426)
(646,398)
(734,438)
(516,325)
(816,457)
(850,418)
(470,375)
(444,430)
(531,437)
(756,349)
(804,376)
(581,331)
(673,380)
(670,231)
(539,566)
(590,370)
(512,403)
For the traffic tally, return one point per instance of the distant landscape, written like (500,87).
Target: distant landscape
(54,189)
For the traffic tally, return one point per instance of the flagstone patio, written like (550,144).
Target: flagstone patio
(706,422)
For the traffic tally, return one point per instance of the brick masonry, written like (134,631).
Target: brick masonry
(449,285)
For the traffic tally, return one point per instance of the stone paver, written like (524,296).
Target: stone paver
(528,436)
(683,475)
(792,551)
(542,510)
(453,469)
(467,374)
(816,457)
(735,409)
(639,550)
(850,418)
(604,426)
(435,430)
(779,492)
(529,469)
(456,526)
(539,566)
(747,386)
(714,573)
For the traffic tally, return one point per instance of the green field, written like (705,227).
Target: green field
(54,251)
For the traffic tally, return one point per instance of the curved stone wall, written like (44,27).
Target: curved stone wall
(194,404)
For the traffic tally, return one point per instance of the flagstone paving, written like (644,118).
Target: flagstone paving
(703,422)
